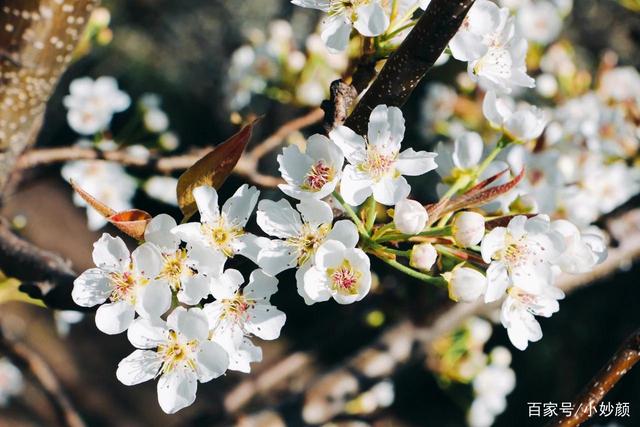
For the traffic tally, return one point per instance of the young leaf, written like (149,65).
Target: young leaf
(212,169)
(479,198)
(132,222)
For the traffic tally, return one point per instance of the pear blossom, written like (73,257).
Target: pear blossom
(247,311)
(410,217)
(579,255)
(106,181)
(11,382)
(539,21)
(368,17)
(465,284)
(177,351)
(339,272)
(122,283)
(467,228)
(376,164)
(520,308)
(522,124)
(522,254)
(91,104)
(314,173)
(221,231)
(423,256)
(465,155)
(299,234)
(621,84)
(474,36)
(186,271)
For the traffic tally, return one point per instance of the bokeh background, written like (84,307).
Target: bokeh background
(181,50)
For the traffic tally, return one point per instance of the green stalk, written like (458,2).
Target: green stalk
(501,145)
(351,213)
(432,232)
(413,273)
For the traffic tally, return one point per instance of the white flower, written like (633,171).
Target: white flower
(314,173)
(125,280)
(518,310)
(465,284)
(578,256)
(539,22)
(162,188)
(366,16)
(520,254)
(299,235)
(467,228)
(376,163)
(621,84)
(155,120)
(239,312)
(423,256)
(222,231)
(11,382)
(91,104)
(466,154)
(186,271)
(409,216)
(474,36)
(177,351)
(522,124)
(339,272)
(491,386)
(106,181)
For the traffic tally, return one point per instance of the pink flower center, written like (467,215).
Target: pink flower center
(377,164)
(318,176)
(344,279)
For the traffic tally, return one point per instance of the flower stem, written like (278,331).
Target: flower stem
(432,232)
(502,143)
(351,213)
(413,273)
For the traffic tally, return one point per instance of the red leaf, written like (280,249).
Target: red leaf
(467,201)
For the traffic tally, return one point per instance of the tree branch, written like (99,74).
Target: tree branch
(409,63)
(26,357)
(622,361)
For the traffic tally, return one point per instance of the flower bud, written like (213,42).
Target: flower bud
(468,228)
(500,356)
(465,284)
(410,217)
(423,256)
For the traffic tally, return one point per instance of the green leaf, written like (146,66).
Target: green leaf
(212,169)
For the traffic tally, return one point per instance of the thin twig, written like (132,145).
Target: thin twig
(247,167)
(586,404)
(24,356)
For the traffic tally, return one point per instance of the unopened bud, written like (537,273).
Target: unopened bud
(468,228)
(465,284)
(410,217)
(423,256)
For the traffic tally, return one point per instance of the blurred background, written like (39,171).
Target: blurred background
(181,50)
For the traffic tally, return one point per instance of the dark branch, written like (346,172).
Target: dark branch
(415,56)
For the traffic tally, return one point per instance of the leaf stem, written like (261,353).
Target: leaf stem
(351,213)
(413,273)
(432,232)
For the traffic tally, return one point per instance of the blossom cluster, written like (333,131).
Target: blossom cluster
(91,106)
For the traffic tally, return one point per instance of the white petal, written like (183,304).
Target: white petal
(390,190)
(153,299)
(158,232)
(250,245)
(114,318)
(497,281)
(330,254)
(278,219)
(191,233)
(194,289)
(177,390)
(147,260)
(467,150)
(261,286)
(336,34)
(415,163)
(379,133)
(110,253)
(315,286)
(346,232)
(350,143)
(138,367)
(372,20)
(239,207)
(491,110)
(315,212)
(147,333)
(277,257)
(466,46)
(207,200)
(212,361)
(265,321)
(493,242)
(226,285)
(206,260)
(355,187)
(294,165)
(191,323)
(91,288)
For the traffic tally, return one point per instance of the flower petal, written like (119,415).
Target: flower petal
(158,232)
(147,333)
(261,286)
(239,207)
(390,190)
(153,299)
(212,361)
(265,321)
(415,163)
(91,288)
(114,318)
(177,389)
(206,198)
(278,219)
(110,253)
(138,367)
